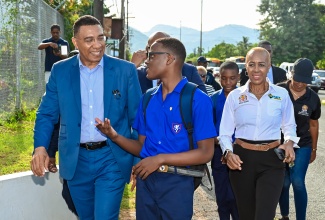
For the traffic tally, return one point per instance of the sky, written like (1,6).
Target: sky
(145,14)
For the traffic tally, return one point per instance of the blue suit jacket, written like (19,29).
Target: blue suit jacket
(189,71)
(63,98)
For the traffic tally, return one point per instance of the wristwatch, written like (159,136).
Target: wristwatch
(225,154)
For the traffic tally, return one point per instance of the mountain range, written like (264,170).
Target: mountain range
(231,34)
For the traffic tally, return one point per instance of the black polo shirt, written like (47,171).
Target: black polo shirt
(306,107)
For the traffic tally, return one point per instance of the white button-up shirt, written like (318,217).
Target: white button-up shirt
(257,120)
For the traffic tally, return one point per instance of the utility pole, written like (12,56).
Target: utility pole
(99,10)
(180,30)
(200,52)
(122,54)
(127,22)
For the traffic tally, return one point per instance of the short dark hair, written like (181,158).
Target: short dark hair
(174,45)
(55,26)
(264,42)
(86,20)
(229,65)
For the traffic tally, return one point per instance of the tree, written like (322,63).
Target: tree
(71,11)
(243,46)
(294,27)
(223,50)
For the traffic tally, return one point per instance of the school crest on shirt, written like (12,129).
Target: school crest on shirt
(304,110)
(176,128)
(243,99)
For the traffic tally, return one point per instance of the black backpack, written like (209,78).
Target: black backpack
(185,104)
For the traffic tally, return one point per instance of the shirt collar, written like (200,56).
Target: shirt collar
(178,87)
(101,62)
(245,88)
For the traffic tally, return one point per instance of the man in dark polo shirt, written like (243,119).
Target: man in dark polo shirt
(56,49)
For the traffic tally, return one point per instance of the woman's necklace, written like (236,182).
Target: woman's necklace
(259,94)
(297,96)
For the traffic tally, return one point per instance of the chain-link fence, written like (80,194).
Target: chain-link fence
(23,25)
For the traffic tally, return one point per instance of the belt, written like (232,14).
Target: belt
(258,147)
(181,171)
(93,145)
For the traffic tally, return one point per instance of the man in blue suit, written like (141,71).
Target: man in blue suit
(188,70)
(84,87)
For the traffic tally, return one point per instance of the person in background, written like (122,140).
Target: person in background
(257,112)
(53,54)
(275,74)
(166,195)
(52,48)
(138,57)
(307,111)
(203,74)
(229,74)
(210,80)
(84,87)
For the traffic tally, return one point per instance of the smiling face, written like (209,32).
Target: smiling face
(258,64)
(90,41)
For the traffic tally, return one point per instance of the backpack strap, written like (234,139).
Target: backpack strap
(145,101)
(185,105)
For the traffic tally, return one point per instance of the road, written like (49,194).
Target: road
(205,207)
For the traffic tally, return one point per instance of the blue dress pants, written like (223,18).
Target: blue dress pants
(224,195)
(296,176)
(97,186)
(164,196)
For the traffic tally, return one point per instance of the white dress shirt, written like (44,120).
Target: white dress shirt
(257,120)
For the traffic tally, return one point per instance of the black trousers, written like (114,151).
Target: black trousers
(257,187)
(54,143)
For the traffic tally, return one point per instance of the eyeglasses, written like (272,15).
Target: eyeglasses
(203,75)
(151,55)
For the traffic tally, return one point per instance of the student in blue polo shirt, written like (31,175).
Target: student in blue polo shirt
(163,139)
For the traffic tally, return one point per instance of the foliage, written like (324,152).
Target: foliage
(225,50)
(16,147)
(16,142)
(295,28)
(71,11)
(244,46)
(128,201)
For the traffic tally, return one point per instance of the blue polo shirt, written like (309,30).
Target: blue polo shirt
(50,58)
(219,100)
(164,130)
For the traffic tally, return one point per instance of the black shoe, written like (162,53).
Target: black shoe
(284,218)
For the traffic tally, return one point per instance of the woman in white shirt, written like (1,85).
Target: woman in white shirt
(257,112)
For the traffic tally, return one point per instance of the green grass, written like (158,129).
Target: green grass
(16,147)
